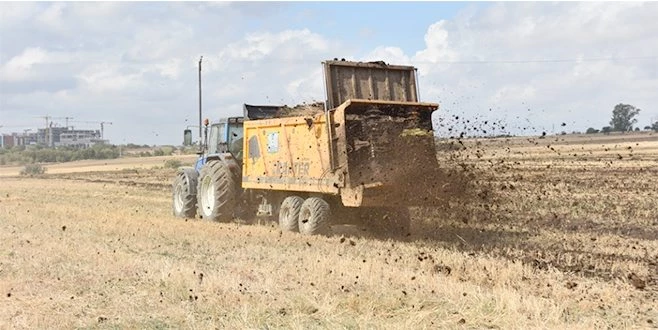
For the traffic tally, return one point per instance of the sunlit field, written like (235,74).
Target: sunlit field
(560,232)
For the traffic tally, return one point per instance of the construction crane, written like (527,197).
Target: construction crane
(102,123)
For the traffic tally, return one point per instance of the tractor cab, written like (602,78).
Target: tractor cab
(226,136)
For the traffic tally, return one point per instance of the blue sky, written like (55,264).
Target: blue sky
(134,63)
(372,24)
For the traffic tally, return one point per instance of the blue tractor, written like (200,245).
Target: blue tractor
(212,186)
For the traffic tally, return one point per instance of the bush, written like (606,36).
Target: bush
(33,169)
(592,130)
(172,163)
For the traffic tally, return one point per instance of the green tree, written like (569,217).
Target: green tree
(654,126)
(623,117)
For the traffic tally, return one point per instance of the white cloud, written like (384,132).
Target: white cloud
(257,46)
(170,68)
(21,67)
(52,16)
(104,78)
(518,43)
(389,55)
(13,12)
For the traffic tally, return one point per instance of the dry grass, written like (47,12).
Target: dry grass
(102,165)
(105,252)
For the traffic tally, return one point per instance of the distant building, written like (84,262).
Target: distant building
(17,139)
(50,136)
(53,137)
(9,140)
(79,138)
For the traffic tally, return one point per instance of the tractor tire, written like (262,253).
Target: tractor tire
(386,221)
(184,193)
(217,192)
(289,213)
(314,217)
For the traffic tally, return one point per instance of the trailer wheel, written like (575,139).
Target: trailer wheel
(314,217)
(217,191)
(184,193)
(289,213)
(387,221)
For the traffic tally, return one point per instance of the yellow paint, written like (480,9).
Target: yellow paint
(294,153)
(291,155)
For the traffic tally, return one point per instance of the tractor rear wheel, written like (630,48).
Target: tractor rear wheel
(217,192)
(289,213)
(184,193)
(314,217)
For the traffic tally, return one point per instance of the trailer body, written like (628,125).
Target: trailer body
(348,151)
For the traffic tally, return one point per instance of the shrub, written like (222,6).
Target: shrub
(168,150)
(592,130)
(172,163)
(33,169)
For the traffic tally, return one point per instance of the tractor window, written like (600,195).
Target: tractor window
(235,133)
(216,139)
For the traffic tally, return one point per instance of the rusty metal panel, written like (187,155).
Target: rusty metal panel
(386,151)
(369,81)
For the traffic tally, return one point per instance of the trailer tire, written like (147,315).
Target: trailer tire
(184,193)
(387,221)
(216,192)
(314,217)
(289,213)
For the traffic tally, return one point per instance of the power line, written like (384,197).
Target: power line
(602,59)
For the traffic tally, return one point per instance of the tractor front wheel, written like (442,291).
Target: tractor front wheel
(184,193)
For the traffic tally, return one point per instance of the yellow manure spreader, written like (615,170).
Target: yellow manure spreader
(364,156)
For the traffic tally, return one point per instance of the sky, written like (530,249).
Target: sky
(534,66)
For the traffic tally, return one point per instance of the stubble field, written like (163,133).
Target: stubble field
(561,232)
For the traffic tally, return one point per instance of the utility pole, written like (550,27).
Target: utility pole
(200,137)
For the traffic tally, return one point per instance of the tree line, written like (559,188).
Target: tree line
(21,155)
(623,120)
